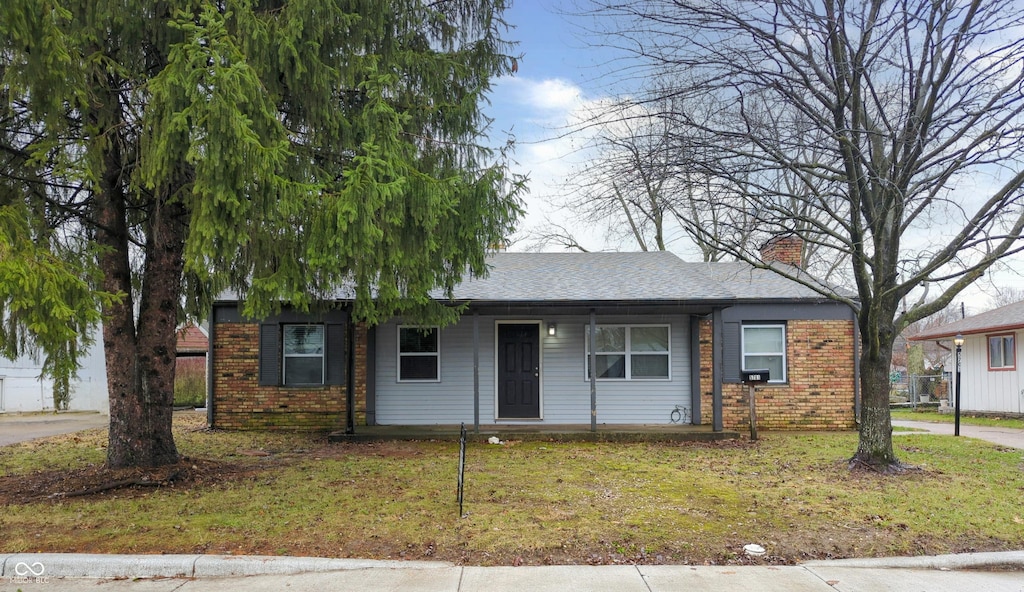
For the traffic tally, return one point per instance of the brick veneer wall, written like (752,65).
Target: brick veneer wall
(241,403)
(820,391)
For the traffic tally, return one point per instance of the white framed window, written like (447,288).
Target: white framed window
(629,352)
(764,346)
(303,349)
(1002,353)
(419,354)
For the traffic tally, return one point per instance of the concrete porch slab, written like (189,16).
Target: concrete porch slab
(538,432)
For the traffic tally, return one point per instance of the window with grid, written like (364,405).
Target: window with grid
(629,352)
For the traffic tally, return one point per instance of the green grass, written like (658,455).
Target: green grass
(538,502)
(934,416)
(190,382)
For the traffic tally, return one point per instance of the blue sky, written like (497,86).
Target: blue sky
(558,78)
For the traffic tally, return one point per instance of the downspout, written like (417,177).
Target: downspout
(476,372)
(209,368)
(350,387)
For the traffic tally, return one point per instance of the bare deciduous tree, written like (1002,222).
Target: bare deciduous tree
(899,121)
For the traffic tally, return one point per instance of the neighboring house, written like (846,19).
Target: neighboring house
(190,367)
(991,371)
(669,335)
(23,389)
(193,341)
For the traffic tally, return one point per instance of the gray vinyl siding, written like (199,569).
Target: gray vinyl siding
(565,390)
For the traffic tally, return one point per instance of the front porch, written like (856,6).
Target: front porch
(539,432)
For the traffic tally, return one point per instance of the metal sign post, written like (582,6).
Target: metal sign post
(462,465)
(752,378)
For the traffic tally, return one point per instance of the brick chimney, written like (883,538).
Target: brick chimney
(785,248)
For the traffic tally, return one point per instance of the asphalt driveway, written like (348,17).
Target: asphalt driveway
(21,427)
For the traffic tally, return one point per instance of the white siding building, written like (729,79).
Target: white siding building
(991,364)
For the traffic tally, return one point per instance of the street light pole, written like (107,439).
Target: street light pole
(959,341)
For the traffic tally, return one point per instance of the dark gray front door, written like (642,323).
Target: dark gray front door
(518,371)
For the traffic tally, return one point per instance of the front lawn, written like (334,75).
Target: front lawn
(525,502)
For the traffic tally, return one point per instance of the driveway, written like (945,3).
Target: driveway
(20,427)
(1009,437)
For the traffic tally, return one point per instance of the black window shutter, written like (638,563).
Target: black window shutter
(335,359)
(731,352)
(270,354)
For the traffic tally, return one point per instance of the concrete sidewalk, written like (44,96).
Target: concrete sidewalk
(195,573)
(1009,437)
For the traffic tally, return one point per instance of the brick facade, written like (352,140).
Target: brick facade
(819,394)
(241,403)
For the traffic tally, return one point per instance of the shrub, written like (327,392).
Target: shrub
(190,382)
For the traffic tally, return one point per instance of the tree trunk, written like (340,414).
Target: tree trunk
(157,339)
(140,366)
(874,449)
(139,360)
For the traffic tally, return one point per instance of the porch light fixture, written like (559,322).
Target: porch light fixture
(552,329)
(958,341)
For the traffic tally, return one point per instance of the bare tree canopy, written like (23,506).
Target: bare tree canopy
(898,122)
(639,181)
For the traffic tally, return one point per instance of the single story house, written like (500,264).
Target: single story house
(990,364)
(668,340)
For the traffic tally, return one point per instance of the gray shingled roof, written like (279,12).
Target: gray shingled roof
(1004,318)
(746,282)
(655,276)
(616,277)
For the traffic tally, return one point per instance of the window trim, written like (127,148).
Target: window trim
(399,354)
(1013,352)
(628,353)
(285,355)
(785,347)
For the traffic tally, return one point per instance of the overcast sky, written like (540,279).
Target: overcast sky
(559,77)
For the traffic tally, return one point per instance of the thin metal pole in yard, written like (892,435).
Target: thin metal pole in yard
(462,465)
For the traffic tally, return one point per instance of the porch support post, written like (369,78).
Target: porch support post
(476,372)
(717,346)
(593,371)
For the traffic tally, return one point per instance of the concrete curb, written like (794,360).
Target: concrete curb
(68,565)
(1014,559)
(71,565)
